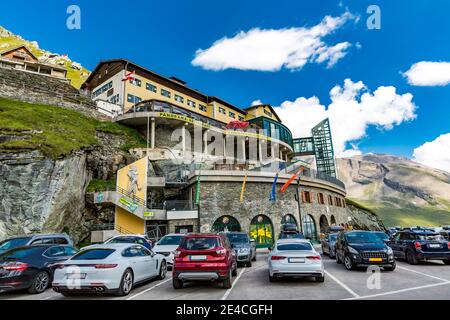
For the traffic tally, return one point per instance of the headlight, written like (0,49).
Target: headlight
(389,251)
(352,250)
(243,250)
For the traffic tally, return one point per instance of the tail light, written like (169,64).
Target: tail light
(221,252)
(448,245)
(314,258)
(418,245)
(18,266)
(105,266)
(276,258)
(176,253)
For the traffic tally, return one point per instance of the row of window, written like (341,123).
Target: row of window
(307,197)
(230,114)
(268,113)
(115,99)
(133,99)
(104,88)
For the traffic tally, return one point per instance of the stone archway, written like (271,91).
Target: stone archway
(323,223)
(289,219)
(309,227)
(333,220)
(261,229)
(226,223)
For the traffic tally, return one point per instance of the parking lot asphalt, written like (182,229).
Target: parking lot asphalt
(428,280)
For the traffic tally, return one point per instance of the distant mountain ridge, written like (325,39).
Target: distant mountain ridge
(75,72)
(401,191)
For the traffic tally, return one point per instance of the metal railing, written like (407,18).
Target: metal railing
(180,205)
(132,196)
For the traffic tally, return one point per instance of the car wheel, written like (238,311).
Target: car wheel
(332,254)
(320,279)
(391,268)
(177,283)
(249,264)
(447,262)
(40,282)
(126,284)
(411,258)
(254,258)
(272,278)
(162,270)
(348,262)
(226,283)
(338,261)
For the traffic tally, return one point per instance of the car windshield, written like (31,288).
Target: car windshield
(170,240)
(238,238)
(204,243)
(21,253)
(383,236)
(13,243)
(93,254)
(362,237)
(430,237)
(294,247)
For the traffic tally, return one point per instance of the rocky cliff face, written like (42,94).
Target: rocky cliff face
(44,195)
(400,191)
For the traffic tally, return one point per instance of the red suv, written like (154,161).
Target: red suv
(204,257)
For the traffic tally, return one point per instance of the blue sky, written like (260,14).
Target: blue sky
(164,36)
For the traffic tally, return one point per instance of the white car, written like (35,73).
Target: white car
(167,246)
(295,258)
(109,268)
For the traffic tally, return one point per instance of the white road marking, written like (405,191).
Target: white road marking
(149,289)
(400,291)
(225,296)
(343,285)
(423,274)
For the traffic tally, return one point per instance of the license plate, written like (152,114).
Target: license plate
(76,275)
(433,245)
(375,259)
(197,258)
(297,260)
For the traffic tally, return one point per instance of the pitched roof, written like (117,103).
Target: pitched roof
(17,48)
(265,105)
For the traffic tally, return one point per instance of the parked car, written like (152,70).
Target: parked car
(126,238)
(31,267)
(244,247)
(363,249)
(328,244)
(291,235)
(418,245)
(29,240)
(204,257)
(295,258)
(392,231)
(108,268)
(167,246)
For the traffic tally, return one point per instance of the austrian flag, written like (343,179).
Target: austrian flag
(129,76)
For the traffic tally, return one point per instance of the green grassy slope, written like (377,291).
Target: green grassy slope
(53,130)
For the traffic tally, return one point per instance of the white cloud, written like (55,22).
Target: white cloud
(257,103)
(352,110)
(435,154)
(272,49)
(427,73)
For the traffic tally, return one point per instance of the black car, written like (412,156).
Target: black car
(290,231)
(363,249)
(419,245)
(31,267)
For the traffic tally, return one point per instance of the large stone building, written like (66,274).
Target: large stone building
(212,166)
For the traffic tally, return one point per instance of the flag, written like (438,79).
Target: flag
(129,76)
(288,183)
(197,192)
(273,194)
(243,188)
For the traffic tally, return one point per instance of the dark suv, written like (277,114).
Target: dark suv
(419,245)
(204,257)
(363,249)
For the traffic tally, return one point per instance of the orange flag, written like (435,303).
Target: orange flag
(288,183)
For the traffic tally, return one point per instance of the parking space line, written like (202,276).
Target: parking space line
(343,285)
(400,291)
(225,296)
(149,289)
(423,274)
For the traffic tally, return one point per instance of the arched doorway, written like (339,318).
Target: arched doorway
(289,219)
(226,223)
(309,227)
(323,223)
(333,220)
(261,229)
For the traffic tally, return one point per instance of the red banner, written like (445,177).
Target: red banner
(238,125)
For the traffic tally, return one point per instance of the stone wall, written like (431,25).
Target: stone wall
(172,224)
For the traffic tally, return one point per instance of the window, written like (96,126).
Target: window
(203,243)
(232,115)
(320,198)
(222,110)
(294,247)
(165,93)
(267,113)
(133,99)
(61,241)
(55,252)
(136,82)
(150,87)
(330,200)
(69,251)
(179,98)
(43,241)
(191,103)
(306,197)
(104,88)
(170,240)
(132,252)
(13,243)
(115,99)
(241,119)
(202,107)
(93,254)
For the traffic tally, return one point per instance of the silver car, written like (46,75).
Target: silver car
(295,258)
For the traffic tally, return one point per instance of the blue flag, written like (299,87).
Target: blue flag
(273,194)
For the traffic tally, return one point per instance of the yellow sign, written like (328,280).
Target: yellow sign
(149,214)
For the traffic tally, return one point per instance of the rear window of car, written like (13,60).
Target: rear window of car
(93,254)
(430,237)
(294,247)
(170,240)
(21,253)
(127,240)
(204,243)
(238,238)
(14,243)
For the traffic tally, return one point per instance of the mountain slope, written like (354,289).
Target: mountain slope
(400,191)
(75,72)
